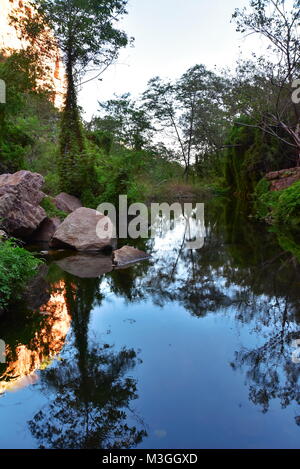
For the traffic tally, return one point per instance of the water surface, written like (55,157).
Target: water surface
(192,349)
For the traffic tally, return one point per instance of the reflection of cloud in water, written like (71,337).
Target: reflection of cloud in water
(182,230)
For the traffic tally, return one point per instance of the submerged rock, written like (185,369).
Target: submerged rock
(20,195)
(79,231)
(86,265)
(128,255)
(66,202)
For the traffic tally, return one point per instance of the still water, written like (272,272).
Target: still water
(191,349)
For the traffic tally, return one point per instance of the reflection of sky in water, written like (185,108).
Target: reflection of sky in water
(212,331)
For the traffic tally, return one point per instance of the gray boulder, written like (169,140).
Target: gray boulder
(79,231)
(20,195)
(66,202)
(128,255)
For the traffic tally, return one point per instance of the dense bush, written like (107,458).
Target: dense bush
(249,155)
(51,209)
(279,207)
(17,266)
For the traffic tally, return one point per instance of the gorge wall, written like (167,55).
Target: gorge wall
(9,42)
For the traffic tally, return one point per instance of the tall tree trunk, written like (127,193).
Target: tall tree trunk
(71,136)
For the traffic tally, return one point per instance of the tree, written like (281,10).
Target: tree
(21,73)
(188,108)
(160,100)
(200,96)
(126,121)
(85,31)
(278,22)
(92,391)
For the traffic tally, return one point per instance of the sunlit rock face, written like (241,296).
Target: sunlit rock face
(23,362)
(9,41)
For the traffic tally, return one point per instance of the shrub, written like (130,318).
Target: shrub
(249,155)
(51,210)
(287,209)
(52,184)
(280,207)
(17,266)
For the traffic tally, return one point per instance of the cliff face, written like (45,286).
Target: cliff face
(9,41)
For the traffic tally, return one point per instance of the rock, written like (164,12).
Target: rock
(128,255)
(283,179)
(3,235)
(46,230)
(86,265)
(20,195)
(79,231)
(67,203)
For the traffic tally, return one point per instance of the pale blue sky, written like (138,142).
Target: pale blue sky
(170,36)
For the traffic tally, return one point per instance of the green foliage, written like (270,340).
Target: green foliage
(90,39)
(119,174)
(17,266)
(126,121)
(249,155)
(265,200)
(52,184)
(27,120)
(279,207)
(287,210)
(51,209)
(287,241)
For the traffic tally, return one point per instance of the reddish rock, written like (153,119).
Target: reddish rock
(79,231)
(67,203)
(283,173)
(283,179)
(128,255)
(46,230)
(20,195)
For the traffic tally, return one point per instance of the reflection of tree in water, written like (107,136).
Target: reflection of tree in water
(91,391)
(240,266)
(241,270)
(271,373)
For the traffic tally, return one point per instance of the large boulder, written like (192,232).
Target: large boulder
(20,195)
(79,231)
(46,230)
(66,202)
(128,255)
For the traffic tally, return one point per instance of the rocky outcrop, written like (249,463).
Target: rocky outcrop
(128,255)
(283,179)
(86,265)
(20,195)
(46,230)
(79,231)
(66,202)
